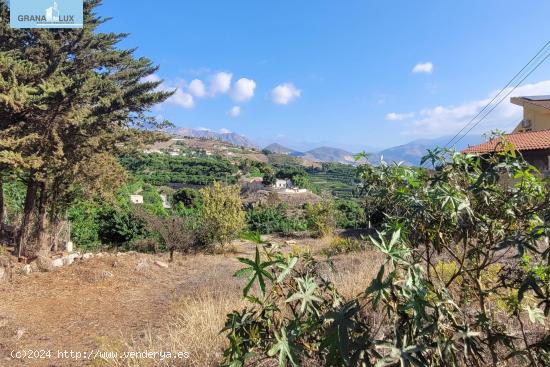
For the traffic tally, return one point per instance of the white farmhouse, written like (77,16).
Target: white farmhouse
(136,199)
(283,184)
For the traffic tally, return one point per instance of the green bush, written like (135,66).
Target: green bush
(419,310)
(119,227)
(83,216)
(273,219)
(321,218)
(189,198)
(340,245)
(350,214)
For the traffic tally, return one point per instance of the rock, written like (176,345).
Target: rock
(57,263)
(99,254)
(290,242)
(106,274)
(44,264)
(26,269)
(3,274)
(69,259)
(87,256)
(69,246)
(161,264)
(120,254)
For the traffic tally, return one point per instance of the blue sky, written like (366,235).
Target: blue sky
(336,72)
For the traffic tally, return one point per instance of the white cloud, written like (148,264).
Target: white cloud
(179,98)
(285,93)
(197,88)
(234,111)
(224,131)
(182,99)
(392,116)
(446,120)
(243,89)
(424,67)
(220,83)
(151,78)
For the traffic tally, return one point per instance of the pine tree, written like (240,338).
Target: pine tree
(67,96)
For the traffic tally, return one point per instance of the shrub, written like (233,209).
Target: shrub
(119,226)
(496,237)
(321,218)
(273,219)
(84,216)
(222,217)
(189,198)
(350,214)
(340,245)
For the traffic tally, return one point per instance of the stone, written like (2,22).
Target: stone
(3,274)
(290,242)
(69,246)
(44,264)
(26,269)
(57,263)
(161,264)
(69,259)
(87,255)
(106,274)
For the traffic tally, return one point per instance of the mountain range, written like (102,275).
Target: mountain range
(321,154)
(409,153)
(229,137)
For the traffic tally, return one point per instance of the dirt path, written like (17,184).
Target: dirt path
(81,306)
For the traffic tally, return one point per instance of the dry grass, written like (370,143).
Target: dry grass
(193,326)
(354,271)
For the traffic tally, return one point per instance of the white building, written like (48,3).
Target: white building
(136,199)
(283,184)
(165,202)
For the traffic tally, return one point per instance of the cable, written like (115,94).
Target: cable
(496,96)
(507,94)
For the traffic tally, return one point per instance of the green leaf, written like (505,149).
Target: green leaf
(284,348)
(256,270)
(286,268)
(536,315)
(306,294)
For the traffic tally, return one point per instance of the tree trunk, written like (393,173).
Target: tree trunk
(1,206)
(30,200)
(43,246)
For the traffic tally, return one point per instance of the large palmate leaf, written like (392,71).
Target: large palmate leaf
(306,294)
(337,339)
(256,270)
(392,249)
(284,348)
(379,289)
(285,266)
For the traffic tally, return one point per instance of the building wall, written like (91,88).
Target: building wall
(540,120)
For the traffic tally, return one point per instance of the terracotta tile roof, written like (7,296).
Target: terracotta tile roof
(531,140)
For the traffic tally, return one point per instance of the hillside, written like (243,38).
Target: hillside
(412,152)
(278,148)
(330,154)
(229,137)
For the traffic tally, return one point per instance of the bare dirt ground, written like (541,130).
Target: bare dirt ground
(127,302)
(78,306)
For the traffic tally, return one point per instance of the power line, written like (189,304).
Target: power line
(497,95)
(507,94)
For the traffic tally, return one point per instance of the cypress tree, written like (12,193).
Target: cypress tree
(67,96)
